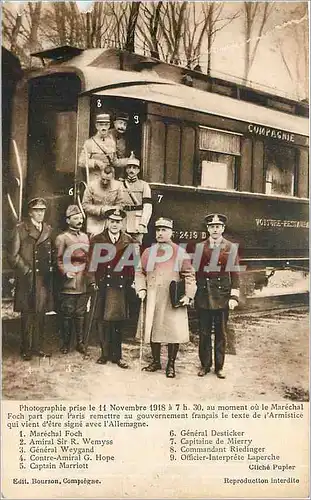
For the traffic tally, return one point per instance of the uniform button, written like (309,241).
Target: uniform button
(37,261)
(121,286)
(108,284)
(108,267)
(108,275)
(219,287)
(218,279)
(207,279)
(37,270)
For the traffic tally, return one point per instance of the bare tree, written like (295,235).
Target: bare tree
(293,44)
(20,30)
(256,15)
(148,26)
(202,22)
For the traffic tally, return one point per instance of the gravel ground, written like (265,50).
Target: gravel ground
(271,363)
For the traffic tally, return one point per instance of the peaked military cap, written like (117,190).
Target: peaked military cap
(73,210)
(164,222)
(122,116)
(115,214)
(103,117)
(37,203)
(216,219)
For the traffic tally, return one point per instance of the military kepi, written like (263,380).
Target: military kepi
(115,214)
(164,222)
(37,203)
(103,117)
(215,219)
(73,210)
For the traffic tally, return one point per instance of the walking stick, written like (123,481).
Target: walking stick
(142,331)
(90,321)
(20,173)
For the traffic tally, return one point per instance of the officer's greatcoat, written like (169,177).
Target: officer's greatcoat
(163,323)
(215,287)
(79,257)
(30,255)
(98,199)
(114,285)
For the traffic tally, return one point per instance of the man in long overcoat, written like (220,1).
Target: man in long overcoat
(218,291)
(74,280)
(113,281)
(31,256)
(161,264)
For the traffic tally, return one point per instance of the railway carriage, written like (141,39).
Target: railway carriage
(211,146)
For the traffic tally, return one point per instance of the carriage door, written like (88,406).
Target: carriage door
(52,139)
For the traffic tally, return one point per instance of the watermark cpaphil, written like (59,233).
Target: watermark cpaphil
(104,253)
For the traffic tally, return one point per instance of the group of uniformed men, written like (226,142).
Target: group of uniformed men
(118,213)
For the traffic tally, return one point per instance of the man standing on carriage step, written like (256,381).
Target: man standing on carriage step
(113,280)
(102,194)
(74,279)
(137,200)
(98,151)
(30,254)
(218,291)
(117,134)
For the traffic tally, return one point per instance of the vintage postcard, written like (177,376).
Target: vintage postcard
(155,249)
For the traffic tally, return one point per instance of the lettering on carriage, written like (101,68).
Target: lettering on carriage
(271,132)
(269,223)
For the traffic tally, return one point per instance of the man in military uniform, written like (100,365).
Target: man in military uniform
(74,283)
(137,199)
(163,322)
(98,151)
(113,284)
(218,291)
(101,195)
(117,134)
(30,254)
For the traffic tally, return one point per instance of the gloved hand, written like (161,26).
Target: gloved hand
(142,294)
(185,301)
(233,303)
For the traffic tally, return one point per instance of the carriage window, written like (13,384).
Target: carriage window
(280,168)
(220,155)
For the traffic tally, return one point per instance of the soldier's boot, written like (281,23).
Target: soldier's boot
(79,324)
(172,353)
(66,334)
(156,354)
(103,334)
(26,337)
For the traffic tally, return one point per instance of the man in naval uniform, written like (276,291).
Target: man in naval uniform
(113,285)
(74,282)
(98,151)
(137,199)
(218,291)
(101,194)
(30,254)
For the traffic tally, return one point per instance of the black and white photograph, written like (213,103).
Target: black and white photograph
(155,248)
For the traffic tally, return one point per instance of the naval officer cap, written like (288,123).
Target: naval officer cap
(73,210)
(37,203)
(115,214)
(164,222)
(216,219)
(103,117)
